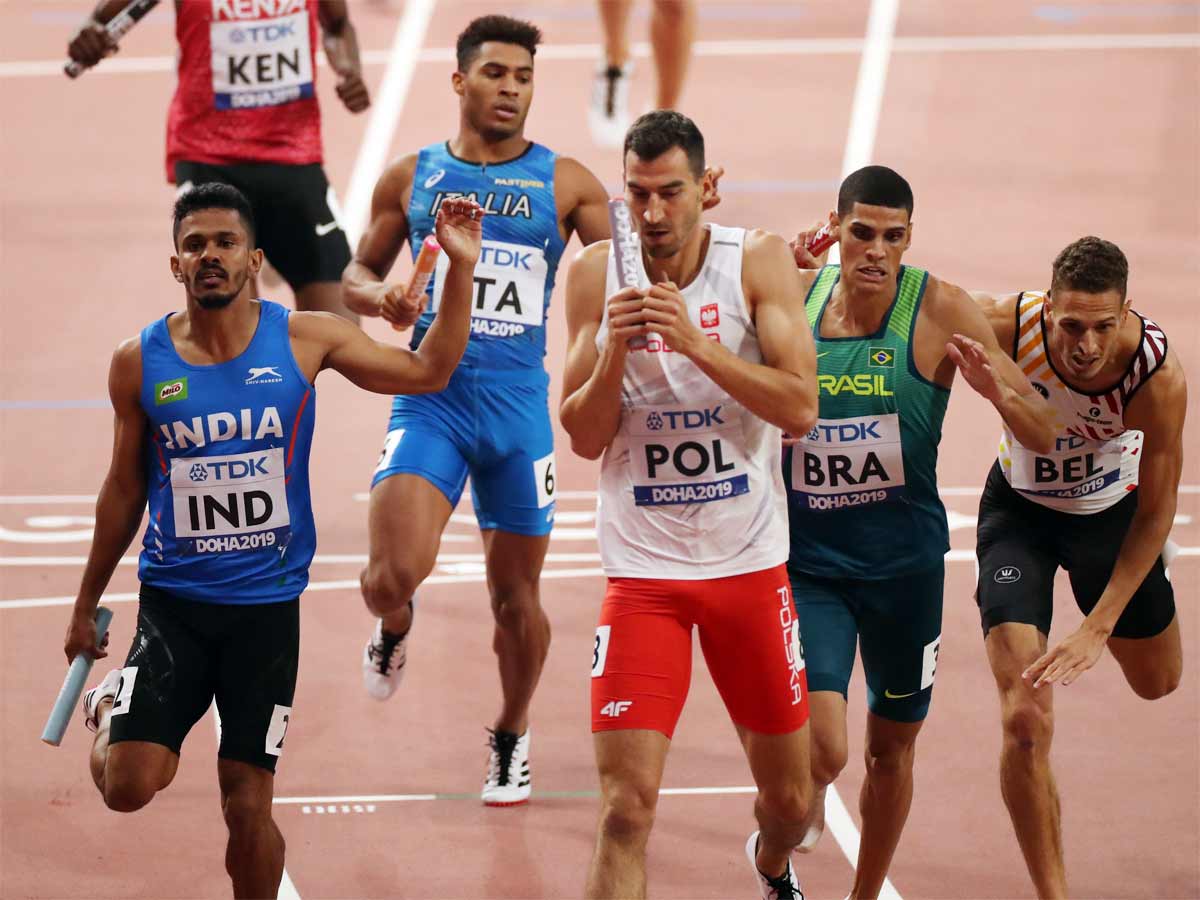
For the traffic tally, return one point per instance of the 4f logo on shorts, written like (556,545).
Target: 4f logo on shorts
(614,708)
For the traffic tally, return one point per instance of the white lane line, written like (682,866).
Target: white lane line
(953,556)
(1011,43)
(837,819)
(868,92)
(386,106)
(66,499)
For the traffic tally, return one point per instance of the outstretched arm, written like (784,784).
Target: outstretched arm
(121,502)
(341,49)
(1158,411)
(387,369)
(989,370)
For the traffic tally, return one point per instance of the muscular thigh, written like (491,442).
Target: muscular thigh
(642,656)
(751,641)
(170,674)
(1091,547)
(260,653)
(512,469)
(828,631)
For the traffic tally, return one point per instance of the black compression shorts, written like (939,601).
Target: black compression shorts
(187,653)
(1020,544)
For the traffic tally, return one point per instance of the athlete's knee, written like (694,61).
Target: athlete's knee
(670,11)
(891,754)
(516,604)
(786,804)
(627,814)
(1158,683)
(129,790)
(246,813)
(389,585)
(1028,725)
(829,756)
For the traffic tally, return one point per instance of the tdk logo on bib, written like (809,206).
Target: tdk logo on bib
(849,462)
(686,456)
(230,503)
(261,54)
(510,288)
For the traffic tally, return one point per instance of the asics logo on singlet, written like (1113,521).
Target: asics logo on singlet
(264,375)
(435,178)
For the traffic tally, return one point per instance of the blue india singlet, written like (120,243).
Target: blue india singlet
(227,469)
(522,245)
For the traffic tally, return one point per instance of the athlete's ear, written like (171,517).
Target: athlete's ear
(256,261)
(708,188)
(175,270)
(456,81)
(908,240)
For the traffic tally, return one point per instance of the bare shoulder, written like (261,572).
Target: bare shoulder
(1000,310)
(763,245)
(396,179)
(1161,403)
(591,261)
(572,173)
(125,370)
(767,259)
(317,326)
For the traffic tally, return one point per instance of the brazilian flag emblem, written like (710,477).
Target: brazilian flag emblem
(882,358)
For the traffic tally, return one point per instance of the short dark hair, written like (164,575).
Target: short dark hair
(1092,265)
(654,133)
(502,29)
(213,195)
(875,186)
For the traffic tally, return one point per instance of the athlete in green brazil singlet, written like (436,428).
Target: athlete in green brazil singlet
(868,532)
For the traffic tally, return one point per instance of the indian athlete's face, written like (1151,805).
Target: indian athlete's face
(213,258)
(497,89)
(872,241)
(1083,330)
(665,200)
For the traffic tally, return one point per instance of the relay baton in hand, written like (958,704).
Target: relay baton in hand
(625,243)
(117,27)
(822,239)
(423,270)
(72,686)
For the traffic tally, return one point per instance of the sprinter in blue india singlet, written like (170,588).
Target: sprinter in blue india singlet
(227,472)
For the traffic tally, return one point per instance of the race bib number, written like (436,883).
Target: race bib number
(849,462)
(510,289)
(260,61)
(1076,468)
(230,503)
(687,455)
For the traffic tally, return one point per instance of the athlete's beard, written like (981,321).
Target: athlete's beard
(220,301)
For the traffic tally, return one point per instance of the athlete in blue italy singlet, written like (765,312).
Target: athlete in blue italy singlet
(227,475)
(492,421)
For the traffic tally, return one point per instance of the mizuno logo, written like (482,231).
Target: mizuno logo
(323,230)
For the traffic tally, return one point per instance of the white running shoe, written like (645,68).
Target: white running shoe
(608,114)
(383,662)
(816,828)
(507,782)
(785,887)
(105,690)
